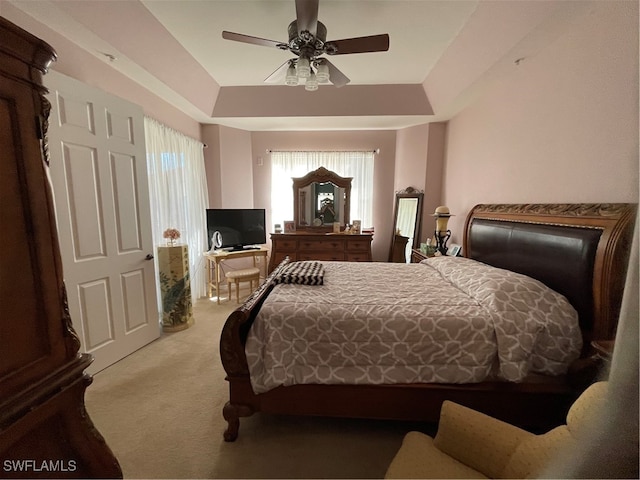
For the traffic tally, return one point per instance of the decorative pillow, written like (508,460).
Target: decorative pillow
(302,273)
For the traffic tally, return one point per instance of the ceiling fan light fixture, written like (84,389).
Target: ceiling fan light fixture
(311,83)
(304,70)
(322,73)
(292,77)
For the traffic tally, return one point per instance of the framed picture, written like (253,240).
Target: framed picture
(357,227)
(289,226)
(454,250)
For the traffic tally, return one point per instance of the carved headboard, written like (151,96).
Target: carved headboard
(579,250)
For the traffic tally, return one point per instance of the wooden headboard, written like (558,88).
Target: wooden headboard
(579,250)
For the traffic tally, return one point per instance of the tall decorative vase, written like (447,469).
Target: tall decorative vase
(175,287)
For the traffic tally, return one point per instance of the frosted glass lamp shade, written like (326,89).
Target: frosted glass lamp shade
(322,73)
(312,83)
(304,70)
(291,78)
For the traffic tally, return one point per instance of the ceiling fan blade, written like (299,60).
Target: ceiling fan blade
(239,37)
(278,75)
(307,16)
(336,77)
(373,43)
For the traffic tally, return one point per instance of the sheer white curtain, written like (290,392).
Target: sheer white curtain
(358,165)
(178,191)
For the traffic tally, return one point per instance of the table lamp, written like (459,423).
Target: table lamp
(442,234)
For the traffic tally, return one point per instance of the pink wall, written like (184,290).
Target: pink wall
(236,172)
(81,65)
(335,140)
(433,183)
(210,135)
(562,127)
(419,164)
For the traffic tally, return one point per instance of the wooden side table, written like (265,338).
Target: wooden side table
(417,256)
(595,367)
(603,349)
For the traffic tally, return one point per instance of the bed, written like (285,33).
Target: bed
(579,251)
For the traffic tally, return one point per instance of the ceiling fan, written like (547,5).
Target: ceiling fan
(307,40)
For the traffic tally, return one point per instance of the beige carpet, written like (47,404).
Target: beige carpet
(160,411)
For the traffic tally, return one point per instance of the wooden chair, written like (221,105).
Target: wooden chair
(243,275)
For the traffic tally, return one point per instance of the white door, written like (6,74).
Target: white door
(101,194)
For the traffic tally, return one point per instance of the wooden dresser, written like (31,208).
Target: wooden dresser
(319,246)
(45,430)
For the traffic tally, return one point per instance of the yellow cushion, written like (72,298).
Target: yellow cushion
(587,408)
(482,442)
(242,274)
(419,458)
(533,455)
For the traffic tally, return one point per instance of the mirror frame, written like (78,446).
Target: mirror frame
(321,175)
(409,192)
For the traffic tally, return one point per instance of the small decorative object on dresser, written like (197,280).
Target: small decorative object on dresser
(356,228)
(289,226)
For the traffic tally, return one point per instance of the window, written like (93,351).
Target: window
(178,194)
(355,164)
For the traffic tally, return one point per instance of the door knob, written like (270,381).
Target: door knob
(148,257)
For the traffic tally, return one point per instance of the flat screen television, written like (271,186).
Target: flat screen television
(236,228)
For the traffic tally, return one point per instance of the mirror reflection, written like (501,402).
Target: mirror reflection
(321,204)
(407,218)
(321,198)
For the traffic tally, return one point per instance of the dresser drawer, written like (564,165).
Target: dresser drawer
(334,256)
(358,245)
(286,245)
(358,257)
(318,245)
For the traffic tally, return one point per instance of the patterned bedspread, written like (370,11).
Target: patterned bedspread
(445,320)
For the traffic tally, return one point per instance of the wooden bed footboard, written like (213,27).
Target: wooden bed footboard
(234,360)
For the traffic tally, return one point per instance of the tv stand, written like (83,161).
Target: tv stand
(216,257)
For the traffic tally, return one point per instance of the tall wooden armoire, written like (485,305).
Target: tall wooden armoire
(45,431)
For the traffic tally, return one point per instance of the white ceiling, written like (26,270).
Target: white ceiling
(419,33)
(451,48)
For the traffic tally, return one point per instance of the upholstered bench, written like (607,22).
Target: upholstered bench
(243,275)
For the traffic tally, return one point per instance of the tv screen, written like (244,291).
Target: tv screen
(237,227)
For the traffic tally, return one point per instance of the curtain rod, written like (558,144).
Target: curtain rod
(376,150)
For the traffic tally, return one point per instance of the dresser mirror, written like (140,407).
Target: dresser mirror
(407,218)
(321,198)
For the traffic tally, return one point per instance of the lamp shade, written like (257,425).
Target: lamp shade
(322,73)
(312,83)
(442,215)
(304,70)
(292,77)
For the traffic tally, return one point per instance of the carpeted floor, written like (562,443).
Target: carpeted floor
(160,411)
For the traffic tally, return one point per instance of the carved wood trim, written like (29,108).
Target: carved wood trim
(321,175)
(615,220)
(234,332)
